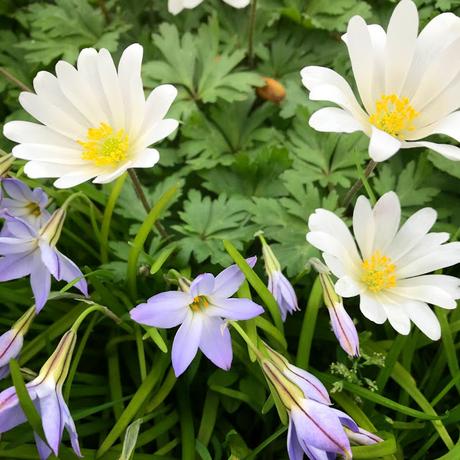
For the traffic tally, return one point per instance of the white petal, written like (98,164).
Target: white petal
(39,169)
(327,85)
(49,153)
(157,132)
(129,74)
(438,34)
(442,71)
(396,313)
(33,133)
(451,152)
(424,318)
(348,287)
(108,176)
(334,120)
(158,104)
(363,226)
(446,256)
(52,116)
(411,233)
(400,45)
(428,244)
(382,145)
(387,216)
(111,87)
(146,159)
(238,3)
(361,54)
(413,289)
(334,265)
(372,309)
(48,91)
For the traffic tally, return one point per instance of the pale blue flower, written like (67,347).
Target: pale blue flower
(200,310)
(31,251)
(46,393)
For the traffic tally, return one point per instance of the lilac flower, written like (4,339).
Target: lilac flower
(343,326)
(315,429)
(200,309)
(46,393)
(11,341)
(27,204)
(278,284)
(30,251)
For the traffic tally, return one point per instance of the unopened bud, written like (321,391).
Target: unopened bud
(51,231)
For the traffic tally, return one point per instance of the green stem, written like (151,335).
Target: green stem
(107,218)
(246,338)
(308,325)
(252,26)
(89,310)
(142,234)
(358,184)
(143,199)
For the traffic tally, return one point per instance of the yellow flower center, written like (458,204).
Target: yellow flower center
(200,303)
(105,147)
(394,115)
(378,272)
(34,209)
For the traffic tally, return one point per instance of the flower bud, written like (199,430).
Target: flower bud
(272,91)
(51,231)
(6,161)
(57,365)
(342,324)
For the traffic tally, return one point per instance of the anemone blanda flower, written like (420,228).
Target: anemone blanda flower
(12,340)
(95,121)
(46,393)
(176,6)
(343,326)
(278,284)
(388,267)
(27,250)
(315,428)
(409,84)
(200,309)
(21,201)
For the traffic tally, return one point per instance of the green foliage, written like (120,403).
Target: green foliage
(61,30)
(236,165)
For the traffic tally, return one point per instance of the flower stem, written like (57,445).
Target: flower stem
(89,310)
(14,80)
(109,207)
(246,338)
(141,195)
(358,184)
(252,26)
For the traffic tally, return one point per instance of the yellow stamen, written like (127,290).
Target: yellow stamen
(34,209)
(378,272)
(199,303)
(394,115)
(104,147)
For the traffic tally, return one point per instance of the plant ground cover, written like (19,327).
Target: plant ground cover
(243,159)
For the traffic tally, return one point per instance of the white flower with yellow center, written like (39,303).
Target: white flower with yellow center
(409,84)
(95,120)
(388,267)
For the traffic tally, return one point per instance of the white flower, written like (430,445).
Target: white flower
(95,120)
(388,271)
(176,6)
(409,85)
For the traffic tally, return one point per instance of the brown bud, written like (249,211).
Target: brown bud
(272,91)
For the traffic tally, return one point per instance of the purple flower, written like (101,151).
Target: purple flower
(316,429)
(278,284)
(46,393)
(30,251)
(27,204)
(200,309)
(11,341)
(343,326)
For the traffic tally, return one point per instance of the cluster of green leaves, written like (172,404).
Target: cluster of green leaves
(237,164)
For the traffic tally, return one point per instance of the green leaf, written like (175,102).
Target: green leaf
(64,28)
(207,222)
